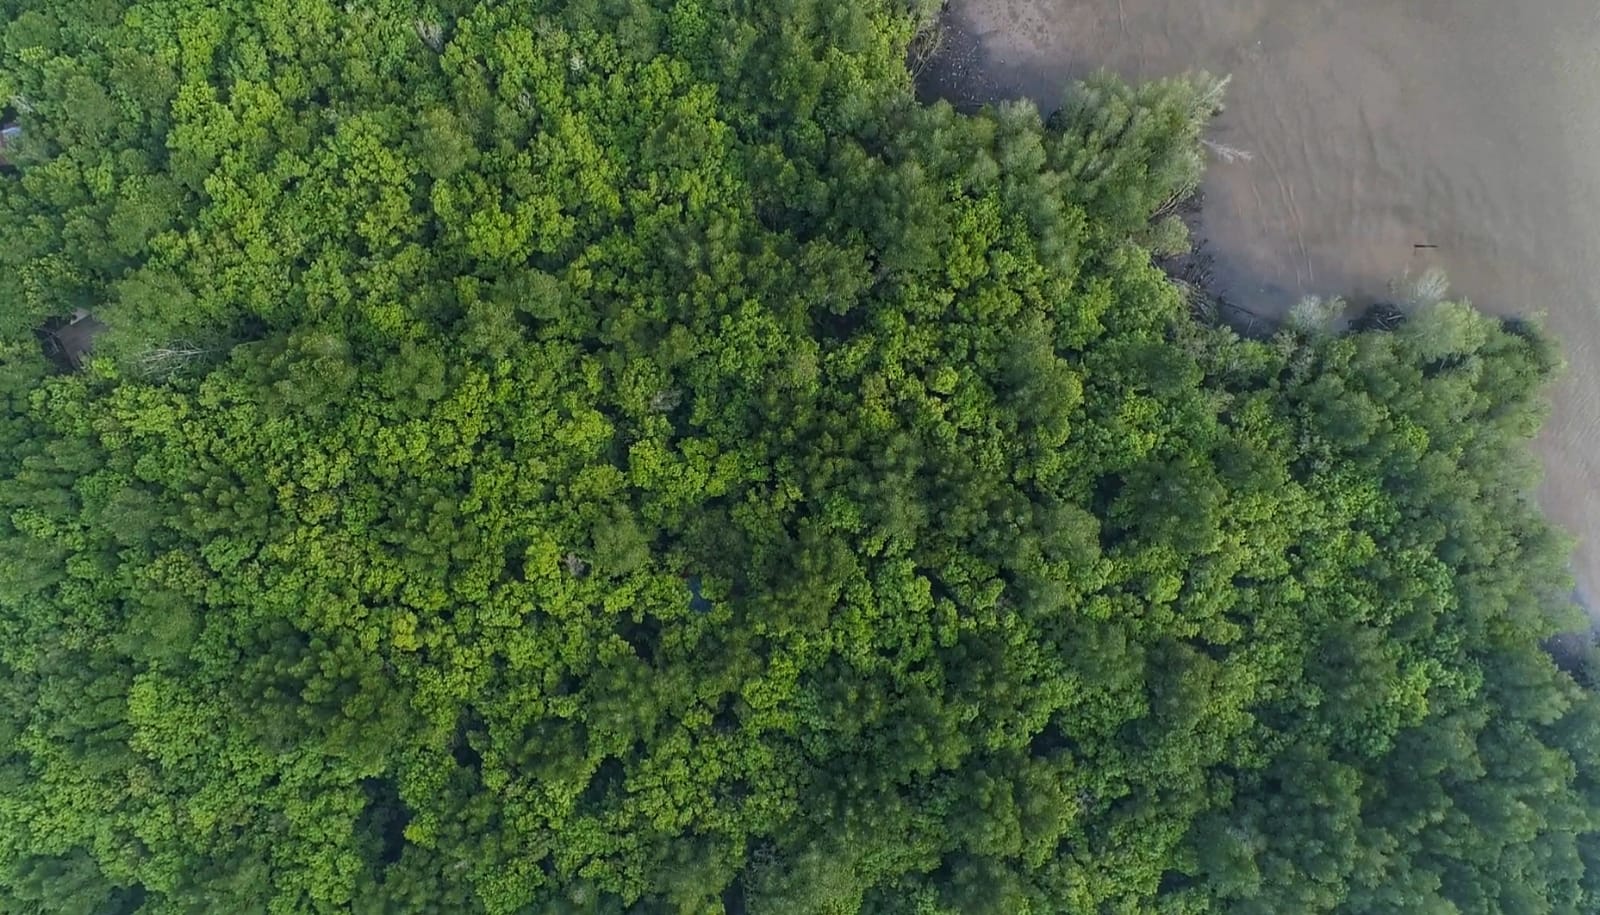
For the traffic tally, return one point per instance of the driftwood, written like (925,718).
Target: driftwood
(1381,316)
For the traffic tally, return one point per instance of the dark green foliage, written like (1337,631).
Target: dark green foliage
(613,456)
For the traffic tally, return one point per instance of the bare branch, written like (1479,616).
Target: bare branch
(431,33)
(666,401)
(1228,154)
(169,358)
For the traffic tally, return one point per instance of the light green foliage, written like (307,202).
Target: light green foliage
(1315,315)
(609,457)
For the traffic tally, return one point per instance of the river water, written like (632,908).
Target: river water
(1386,136)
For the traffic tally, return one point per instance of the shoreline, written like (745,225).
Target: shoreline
(1385,142)
(962,70)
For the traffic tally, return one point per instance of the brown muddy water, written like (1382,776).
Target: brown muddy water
(1385,136)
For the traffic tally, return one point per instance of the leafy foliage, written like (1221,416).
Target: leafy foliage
(630,457)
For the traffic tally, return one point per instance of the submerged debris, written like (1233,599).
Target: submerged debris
(1381,316)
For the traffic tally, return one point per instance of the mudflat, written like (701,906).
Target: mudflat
(1383,138)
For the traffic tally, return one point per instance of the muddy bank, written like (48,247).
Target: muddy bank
(1385,138)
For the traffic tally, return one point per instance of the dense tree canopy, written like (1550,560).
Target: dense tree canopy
(609,456)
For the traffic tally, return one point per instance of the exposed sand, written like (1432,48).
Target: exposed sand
(1376,126)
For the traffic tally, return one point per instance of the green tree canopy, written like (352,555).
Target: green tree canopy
(628,456)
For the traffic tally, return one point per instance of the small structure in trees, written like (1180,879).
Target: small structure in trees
(68,340)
